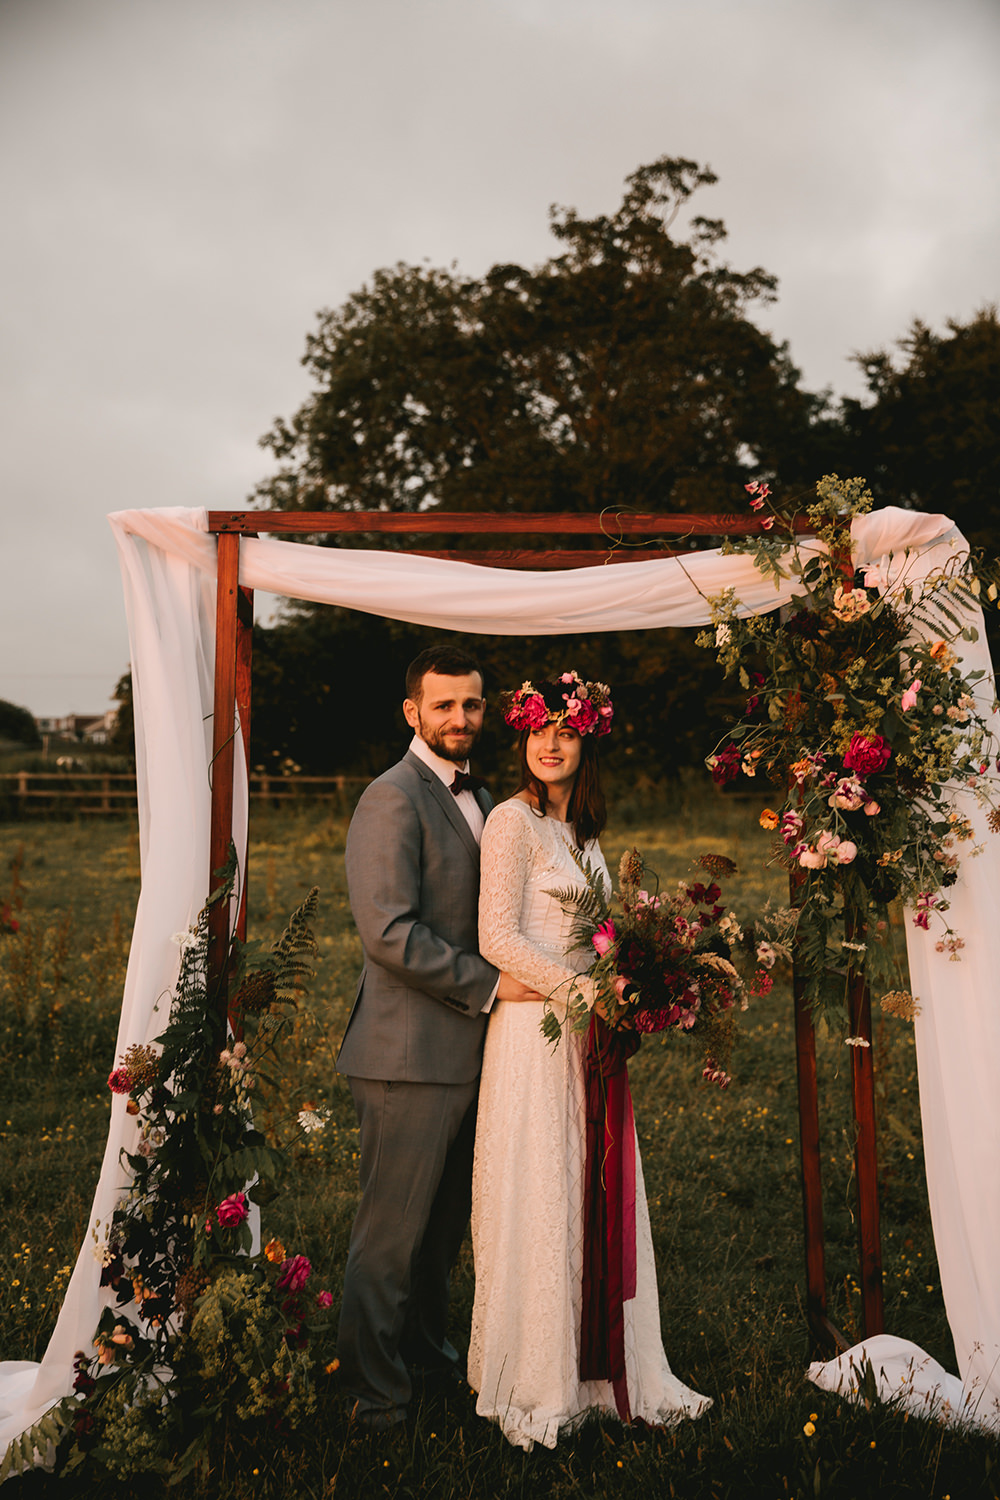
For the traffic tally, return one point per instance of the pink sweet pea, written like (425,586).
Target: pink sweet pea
(324,1299)
(909,699)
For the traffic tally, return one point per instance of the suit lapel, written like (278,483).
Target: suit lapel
(446,801)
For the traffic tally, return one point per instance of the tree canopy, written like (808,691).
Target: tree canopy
(626,371)
(623,371)
(17,725)
(930,437)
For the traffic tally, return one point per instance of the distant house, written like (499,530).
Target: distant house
(89,729)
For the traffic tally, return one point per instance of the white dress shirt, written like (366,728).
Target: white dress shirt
(465,800)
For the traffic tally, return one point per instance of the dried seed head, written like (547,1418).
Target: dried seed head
(631,870)
(717,864)
(902,1004)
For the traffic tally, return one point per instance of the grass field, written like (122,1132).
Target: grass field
(721,1172)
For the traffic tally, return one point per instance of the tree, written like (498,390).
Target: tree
(930,438)
(17,726)
(624,371)
(123,734)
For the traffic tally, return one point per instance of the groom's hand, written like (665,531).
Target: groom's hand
(510,988)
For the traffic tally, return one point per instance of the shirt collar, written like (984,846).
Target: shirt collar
(443,769)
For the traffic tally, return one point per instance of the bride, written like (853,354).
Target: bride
(528,1184)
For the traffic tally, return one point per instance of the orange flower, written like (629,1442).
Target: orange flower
(275,1251)
(939,648)
(769,818)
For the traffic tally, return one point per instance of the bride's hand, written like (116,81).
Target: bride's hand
(510,988)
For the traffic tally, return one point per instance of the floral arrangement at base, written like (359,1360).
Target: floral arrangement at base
(860,715)
(676,962)
(202,1336)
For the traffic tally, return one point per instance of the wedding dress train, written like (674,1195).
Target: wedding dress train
(528,1185)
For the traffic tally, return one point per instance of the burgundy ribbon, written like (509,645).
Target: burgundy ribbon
(608,1208)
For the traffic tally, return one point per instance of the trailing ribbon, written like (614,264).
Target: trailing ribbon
(608,1208)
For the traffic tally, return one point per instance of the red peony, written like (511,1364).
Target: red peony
(867,754)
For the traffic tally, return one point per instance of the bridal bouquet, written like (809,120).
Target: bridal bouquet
(876,740)
(663,962)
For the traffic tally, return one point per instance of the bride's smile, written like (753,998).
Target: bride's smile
(553,754)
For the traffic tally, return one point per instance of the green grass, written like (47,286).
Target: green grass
(721,1172)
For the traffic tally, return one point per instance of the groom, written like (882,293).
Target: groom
(412,1052)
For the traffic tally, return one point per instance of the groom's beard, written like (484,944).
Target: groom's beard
(446,743)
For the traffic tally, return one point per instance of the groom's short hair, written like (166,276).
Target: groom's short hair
(448,661)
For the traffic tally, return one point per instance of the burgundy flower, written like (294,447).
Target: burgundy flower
(867,754)
(294,1274)
(725,766)
(120,1081)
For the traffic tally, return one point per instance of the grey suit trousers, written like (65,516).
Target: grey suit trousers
(417,1143)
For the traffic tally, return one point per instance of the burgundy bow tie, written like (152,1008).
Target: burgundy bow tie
(465,783)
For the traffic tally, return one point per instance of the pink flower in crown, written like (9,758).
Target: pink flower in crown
(584,716)
(605,936)
(605,716)
(568,677)
(534,713)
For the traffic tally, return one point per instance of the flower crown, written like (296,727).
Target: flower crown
(583,706)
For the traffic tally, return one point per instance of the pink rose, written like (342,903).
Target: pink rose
(232,1210)
(846,852)
(294,1274)
(866,754)
(583,717)
(812,859)
(324,1299)
(604,937)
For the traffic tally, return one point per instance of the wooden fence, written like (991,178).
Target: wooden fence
(54,793)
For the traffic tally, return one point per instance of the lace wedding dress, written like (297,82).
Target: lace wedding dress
(528,1184)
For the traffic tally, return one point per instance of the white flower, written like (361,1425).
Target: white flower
(185,940)
(723,635)
(856,1041)
(766,955)
(311,1120)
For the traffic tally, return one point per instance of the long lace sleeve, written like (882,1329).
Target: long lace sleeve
(510,855)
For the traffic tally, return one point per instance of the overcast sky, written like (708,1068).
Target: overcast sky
(186,182)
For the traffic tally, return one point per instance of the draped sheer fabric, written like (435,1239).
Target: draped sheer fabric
(168,563)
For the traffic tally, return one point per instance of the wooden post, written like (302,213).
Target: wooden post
(865,1145)
(223,734)
(812,1182)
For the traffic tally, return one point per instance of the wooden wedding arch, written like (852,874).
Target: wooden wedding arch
(233,656)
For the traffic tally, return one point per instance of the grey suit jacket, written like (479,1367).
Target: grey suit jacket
(413,877)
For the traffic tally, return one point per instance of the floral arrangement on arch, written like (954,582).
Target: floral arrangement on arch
(860,715)
(201,1333)
(667,962)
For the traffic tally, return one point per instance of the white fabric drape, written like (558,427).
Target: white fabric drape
(168,562)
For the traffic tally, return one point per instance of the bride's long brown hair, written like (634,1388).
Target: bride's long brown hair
(587,810)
